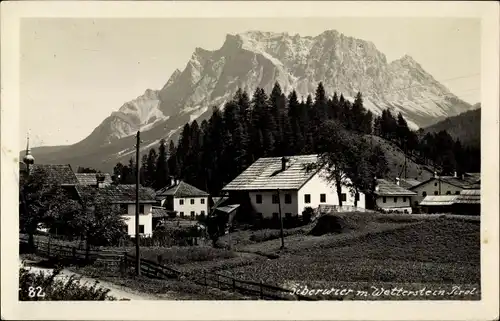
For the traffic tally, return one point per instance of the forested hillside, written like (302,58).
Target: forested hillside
(466,127)
(211,154)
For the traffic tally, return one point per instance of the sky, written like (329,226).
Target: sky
(75,71)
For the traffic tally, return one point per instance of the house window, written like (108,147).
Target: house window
(181,202)
(436,193)
(395,199)
(202,201)
(288,216)
(415,203)
(288,198)
(258,199)
(322,198)
(344,197)
(124,208)
(457,193)
(307,198)
(192,201)
(275,199)
(141,229)
(448,193)
(275,216)
(435,184)
(424,193)
(383,199)
(404,199)
(141,209)
(202,213)
(181,214)
(192,214)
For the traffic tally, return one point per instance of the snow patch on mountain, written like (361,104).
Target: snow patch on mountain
(259,59)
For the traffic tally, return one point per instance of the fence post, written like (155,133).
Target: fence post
(261,290)
(73,254)
(48,248)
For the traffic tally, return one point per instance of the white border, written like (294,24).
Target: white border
(486,309)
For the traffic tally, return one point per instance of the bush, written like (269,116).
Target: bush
(307,215)
(44,287)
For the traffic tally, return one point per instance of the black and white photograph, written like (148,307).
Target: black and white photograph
(220,156)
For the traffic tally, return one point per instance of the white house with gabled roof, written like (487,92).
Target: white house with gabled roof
(183,198)
(272,182)
(390,197)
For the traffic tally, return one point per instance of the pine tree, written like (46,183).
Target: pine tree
(144,170)
(173,166)
(151,167)
(295,120)
(357,113)
(161,175)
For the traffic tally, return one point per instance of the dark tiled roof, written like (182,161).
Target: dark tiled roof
(455,181)
(386,188)
(408,182)
(91,179)
(181,190)
(266,174)
(159,211)
(439,200)
(228,208)
(55,174)
(120,193)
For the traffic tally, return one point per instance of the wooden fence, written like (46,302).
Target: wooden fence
(151,269)
(215,280)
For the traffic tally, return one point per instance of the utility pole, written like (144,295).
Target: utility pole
(281,221)
(137,253)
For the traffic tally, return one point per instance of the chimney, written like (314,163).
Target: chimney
(176,182)
(172,181)
(455,174)
(397,181)
(283,163)
(435,174)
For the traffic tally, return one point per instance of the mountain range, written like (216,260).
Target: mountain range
(260,59)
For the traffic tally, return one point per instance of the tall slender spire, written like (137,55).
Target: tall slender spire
(28,158)
(27,143)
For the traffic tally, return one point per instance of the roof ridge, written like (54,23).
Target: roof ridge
(177,188)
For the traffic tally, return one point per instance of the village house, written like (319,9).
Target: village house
(468,202)
(439,185)
(184,199)
(94,179)
(391,197)
(282,183)
(124,196)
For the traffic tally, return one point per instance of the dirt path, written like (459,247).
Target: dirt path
(116,291)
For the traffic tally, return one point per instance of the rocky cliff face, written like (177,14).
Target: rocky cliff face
(259,59)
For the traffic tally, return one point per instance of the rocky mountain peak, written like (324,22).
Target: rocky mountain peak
(252,59)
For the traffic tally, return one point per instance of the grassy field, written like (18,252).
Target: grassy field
(437,253)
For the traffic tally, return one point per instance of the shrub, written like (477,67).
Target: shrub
(307,214)
(43,287)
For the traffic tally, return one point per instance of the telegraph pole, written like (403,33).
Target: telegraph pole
(281,221)
(137,253)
